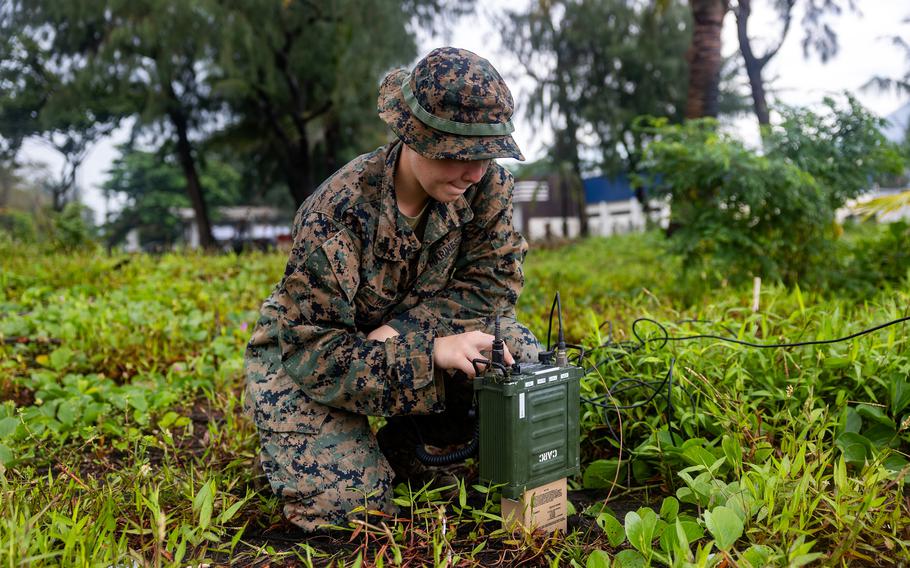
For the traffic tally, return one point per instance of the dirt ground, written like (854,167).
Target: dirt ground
(285,537)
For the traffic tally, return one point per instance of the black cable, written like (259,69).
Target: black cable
(625,348)
(560,337)
(668,380)
(667,337)
(471,447)
(622,349)
(550,322)
(579,360)
(487,363)
(628,347)
(656,387)
(454,456)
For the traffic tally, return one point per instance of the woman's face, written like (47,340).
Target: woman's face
(445,180)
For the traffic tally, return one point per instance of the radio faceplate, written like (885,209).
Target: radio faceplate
(529,426)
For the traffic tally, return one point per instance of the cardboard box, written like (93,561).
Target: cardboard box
(540,508)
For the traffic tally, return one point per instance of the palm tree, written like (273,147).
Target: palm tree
(705,57)
(901,86)
(885,204)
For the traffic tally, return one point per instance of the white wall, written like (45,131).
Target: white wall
(604,219)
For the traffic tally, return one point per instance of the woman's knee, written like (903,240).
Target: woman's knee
(322,477)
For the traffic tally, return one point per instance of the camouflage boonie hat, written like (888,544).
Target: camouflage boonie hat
(454,105)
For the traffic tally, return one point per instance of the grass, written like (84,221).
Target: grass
(122,439)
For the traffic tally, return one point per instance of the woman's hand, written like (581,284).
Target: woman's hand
(457,351)
(382,333)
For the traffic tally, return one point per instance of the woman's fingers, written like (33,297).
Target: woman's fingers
(475,354)
(509,359)
(467,367)
(459,351)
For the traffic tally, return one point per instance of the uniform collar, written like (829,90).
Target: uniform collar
(395,240)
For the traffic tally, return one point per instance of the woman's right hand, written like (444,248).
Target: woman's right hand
(456,352)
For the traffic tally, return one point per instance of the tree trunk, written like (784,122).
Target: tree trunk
(753,65)
(193,186)
(300,169)
(568,168)
(756,65)
(333,137)
(759,99)
(564,201)
(299,172)
(61,188)
(293,155)
(705,57)
(6,186)
(578,195)
(567,154)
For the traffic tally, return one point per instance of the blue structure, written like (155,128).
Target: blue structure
(603,188)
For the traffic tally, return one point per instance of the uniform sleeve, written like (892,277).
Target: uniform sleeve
(320,348)
(487,278)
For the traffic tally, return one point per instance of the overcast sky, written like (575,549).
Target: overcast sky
(865,51)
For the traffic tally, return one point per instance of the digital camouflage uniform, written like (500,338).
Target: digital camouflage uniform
(312,376)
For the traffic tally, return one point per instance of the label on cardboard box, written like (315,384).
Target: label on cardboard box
(542,508)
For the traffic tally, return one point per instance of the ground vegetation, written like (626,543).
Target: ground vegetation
(122,437)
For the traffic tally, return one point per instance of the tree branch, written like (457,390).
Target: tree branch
(266,105)
(787,14)
(282,61)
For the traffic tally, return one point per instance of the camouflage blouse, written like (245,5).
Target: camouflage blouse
(355,265)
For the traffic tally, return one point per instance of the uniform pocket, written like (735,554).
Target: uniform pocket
(343,257)
(373,300)
(372,308)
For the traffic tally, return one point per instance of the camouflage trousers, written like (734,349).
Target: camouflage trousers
(323,477)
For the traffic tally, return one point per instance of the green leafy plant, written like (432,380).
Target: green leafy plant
(842,148)
(867,429)
(735,213)
(122,436)
(738,213)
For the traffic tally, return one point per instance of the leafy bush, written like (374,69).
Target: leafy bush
(869,256)
(17,226)
(737,213)
(67,230)
(843,149)
(72,229)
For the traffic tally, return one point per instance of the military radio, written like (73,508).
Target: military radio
(529,423)
(527,435)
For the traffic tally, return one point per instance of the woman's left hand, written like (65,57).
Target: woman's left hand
(382,333)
